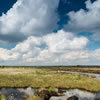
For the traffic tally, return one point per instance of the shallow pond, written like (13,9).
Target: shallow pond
(82,95)
(24,93)
(17,93)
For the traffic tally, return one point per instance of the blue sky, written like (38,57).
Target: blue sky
(59,29)
(5,5)
(64,7)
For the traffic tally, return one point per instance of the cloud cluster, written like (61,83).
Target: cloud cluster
(27,18)
(86,21)
(54,48)
(30,24)
(62,41)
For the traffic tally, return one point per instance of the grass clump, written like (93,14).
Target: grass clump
(3,97)
(79,77)
(34,98)
(52,89)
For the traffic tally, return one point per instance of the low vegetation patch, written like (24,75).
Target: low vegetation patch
(34,98)
(44,78)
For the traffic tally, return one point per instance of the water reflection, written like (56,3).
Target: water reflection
(82,95)
(16,94)
(23,94)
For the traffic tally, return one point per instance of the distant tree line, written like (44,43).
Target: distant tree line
(97,66)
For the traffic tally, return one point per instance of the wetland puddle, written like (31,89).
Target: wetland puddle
(80,94)
(16,93)
(24,93)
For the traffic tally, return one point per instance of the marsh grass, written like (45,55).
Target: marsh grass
(43,78)
(79,77)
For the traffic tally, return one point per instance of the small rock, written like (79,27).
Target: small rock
(61,91)
(73,98)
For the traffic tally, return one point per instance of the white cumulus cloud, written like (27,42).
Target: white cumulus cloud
(54,48)
(86,21)
(29,17)
(62,41)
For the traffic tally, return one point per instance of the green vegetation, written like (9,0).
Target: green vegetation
(3,97)
(52,89)
(79,76)
(45,78)
(34,98)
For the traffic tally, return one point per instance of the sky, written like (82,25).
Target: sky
(50,32)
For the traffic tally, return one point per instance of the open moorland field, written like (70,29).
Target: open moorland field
(87,69)
(46,77)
